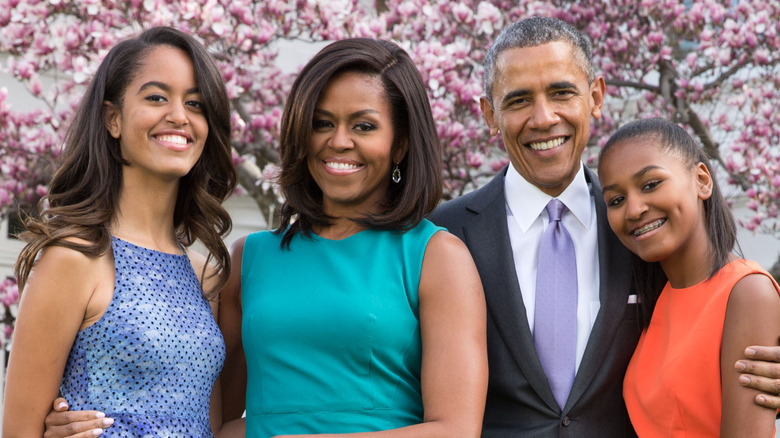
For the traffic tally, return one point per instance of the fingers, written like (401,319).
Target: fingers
(60,404)
(770,354)
(768,370)
(76,424)
(768,401)
(769,388)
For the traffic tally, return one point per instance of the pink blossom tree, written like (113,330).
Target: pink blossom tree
(711,65)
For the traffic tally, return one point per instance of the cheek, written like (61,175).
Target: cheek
(614,219)
(510,121)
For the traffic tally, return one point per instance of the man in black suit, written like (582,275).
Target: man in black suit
(541,92)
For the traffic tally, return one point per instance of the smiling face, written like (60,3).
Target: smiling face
(161,126)
(542,105)
(655,201)
(350,154)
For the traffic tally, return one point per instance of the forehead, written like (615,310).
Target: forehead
(535,66)
(166,62)
(353,88)
(632,154)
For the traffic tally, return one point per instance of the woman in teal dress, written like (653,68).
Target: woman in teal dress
(356,314)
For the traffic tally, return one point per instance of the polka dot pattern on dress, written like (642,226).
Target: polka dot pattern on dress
(151,360)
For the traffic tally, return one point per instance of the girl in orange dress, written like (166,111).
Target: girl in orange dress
(665,206)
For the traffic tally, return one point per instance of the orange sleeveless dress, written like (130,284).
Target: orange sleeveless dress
(672,386)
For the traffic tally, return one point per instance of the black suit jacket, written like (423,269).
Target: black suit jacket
(520,402)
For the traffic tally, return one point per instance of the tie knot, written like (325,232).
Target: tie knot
(555,209)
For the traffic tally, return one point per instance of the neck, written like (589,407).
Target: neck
(145,214)
(340,229)
(691,264)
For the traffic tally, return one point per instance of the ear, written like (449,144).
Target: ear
(489,114)
(703,181)
(597,91)
(113,119)
(400,151)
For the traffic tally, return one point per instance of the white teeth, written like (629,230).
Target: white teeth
(649,227)
(341,166)
(178,139)
(543,146)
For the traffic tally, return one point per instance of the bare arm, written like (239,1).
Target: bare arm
(752,317)
(233,380)
(454,352)
(53,307)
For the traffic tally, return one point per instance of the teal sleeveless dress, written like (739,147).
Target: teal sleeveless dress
(331,331)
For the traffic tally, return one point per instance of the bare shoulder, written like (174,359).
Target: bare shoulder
(446,245)
(237,247)
(67,262)
(448,266)
(752,292)
(74,276)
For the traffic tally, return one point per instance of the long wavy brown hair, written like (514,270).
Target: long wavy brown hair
(84,192)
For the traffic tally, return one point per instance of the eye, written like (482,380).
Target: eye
(156,98)
(520,101)
(563,94)
(364,127)
(196,104)
(650,185)
(615,201)
(321,124)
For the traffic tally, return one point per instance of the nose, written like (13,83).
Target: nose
(543,116)
(177,115)
(635,207)
(341,139)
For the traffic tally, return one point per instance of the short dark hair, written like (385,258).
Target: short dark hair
(84,192)
(532,32)
(408,202)
(719,222)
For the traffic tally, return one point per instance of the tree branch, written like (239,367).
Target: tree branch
(638,85)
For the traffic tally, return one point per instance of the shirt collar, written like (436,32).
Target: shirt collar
(526,201)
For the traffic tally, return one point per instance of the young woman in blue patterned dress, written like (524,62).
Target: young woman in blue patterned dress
(112,313)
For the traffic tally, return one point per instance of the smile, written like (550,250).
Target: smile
(175,139)
(342,166)
(649,227)
(545,145)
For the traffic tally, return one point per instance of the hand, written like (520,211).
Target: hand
(77,424)
(761,371)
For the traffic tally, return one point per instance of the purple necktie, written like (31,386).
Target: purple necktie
(555,313)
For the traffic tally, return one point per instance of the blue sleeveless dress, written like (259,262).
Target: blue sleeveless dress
(151,360)
(331,332)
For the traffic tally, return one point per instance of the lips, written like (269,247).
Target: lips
(176,139)
(545,145)
(335,165)
(649,227)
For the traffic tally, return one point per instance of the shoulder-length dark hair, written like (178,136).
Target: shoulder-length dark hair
(408,202)
(83,194)
(721,228)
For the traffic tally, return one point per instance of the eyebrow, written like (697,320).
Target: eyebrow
(555,86)
(637,175)
(165,87)
(353,115)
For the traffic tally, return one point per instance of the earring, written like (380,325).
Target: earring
(396,174)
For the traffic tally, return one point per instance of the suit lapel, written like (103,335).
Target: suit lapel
(615,282)
(487,237)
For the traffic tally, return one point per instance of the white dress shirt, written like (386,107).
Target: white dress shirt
(527,219)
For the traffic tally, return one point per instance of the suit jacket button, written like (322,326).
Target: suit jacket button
(566,421)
